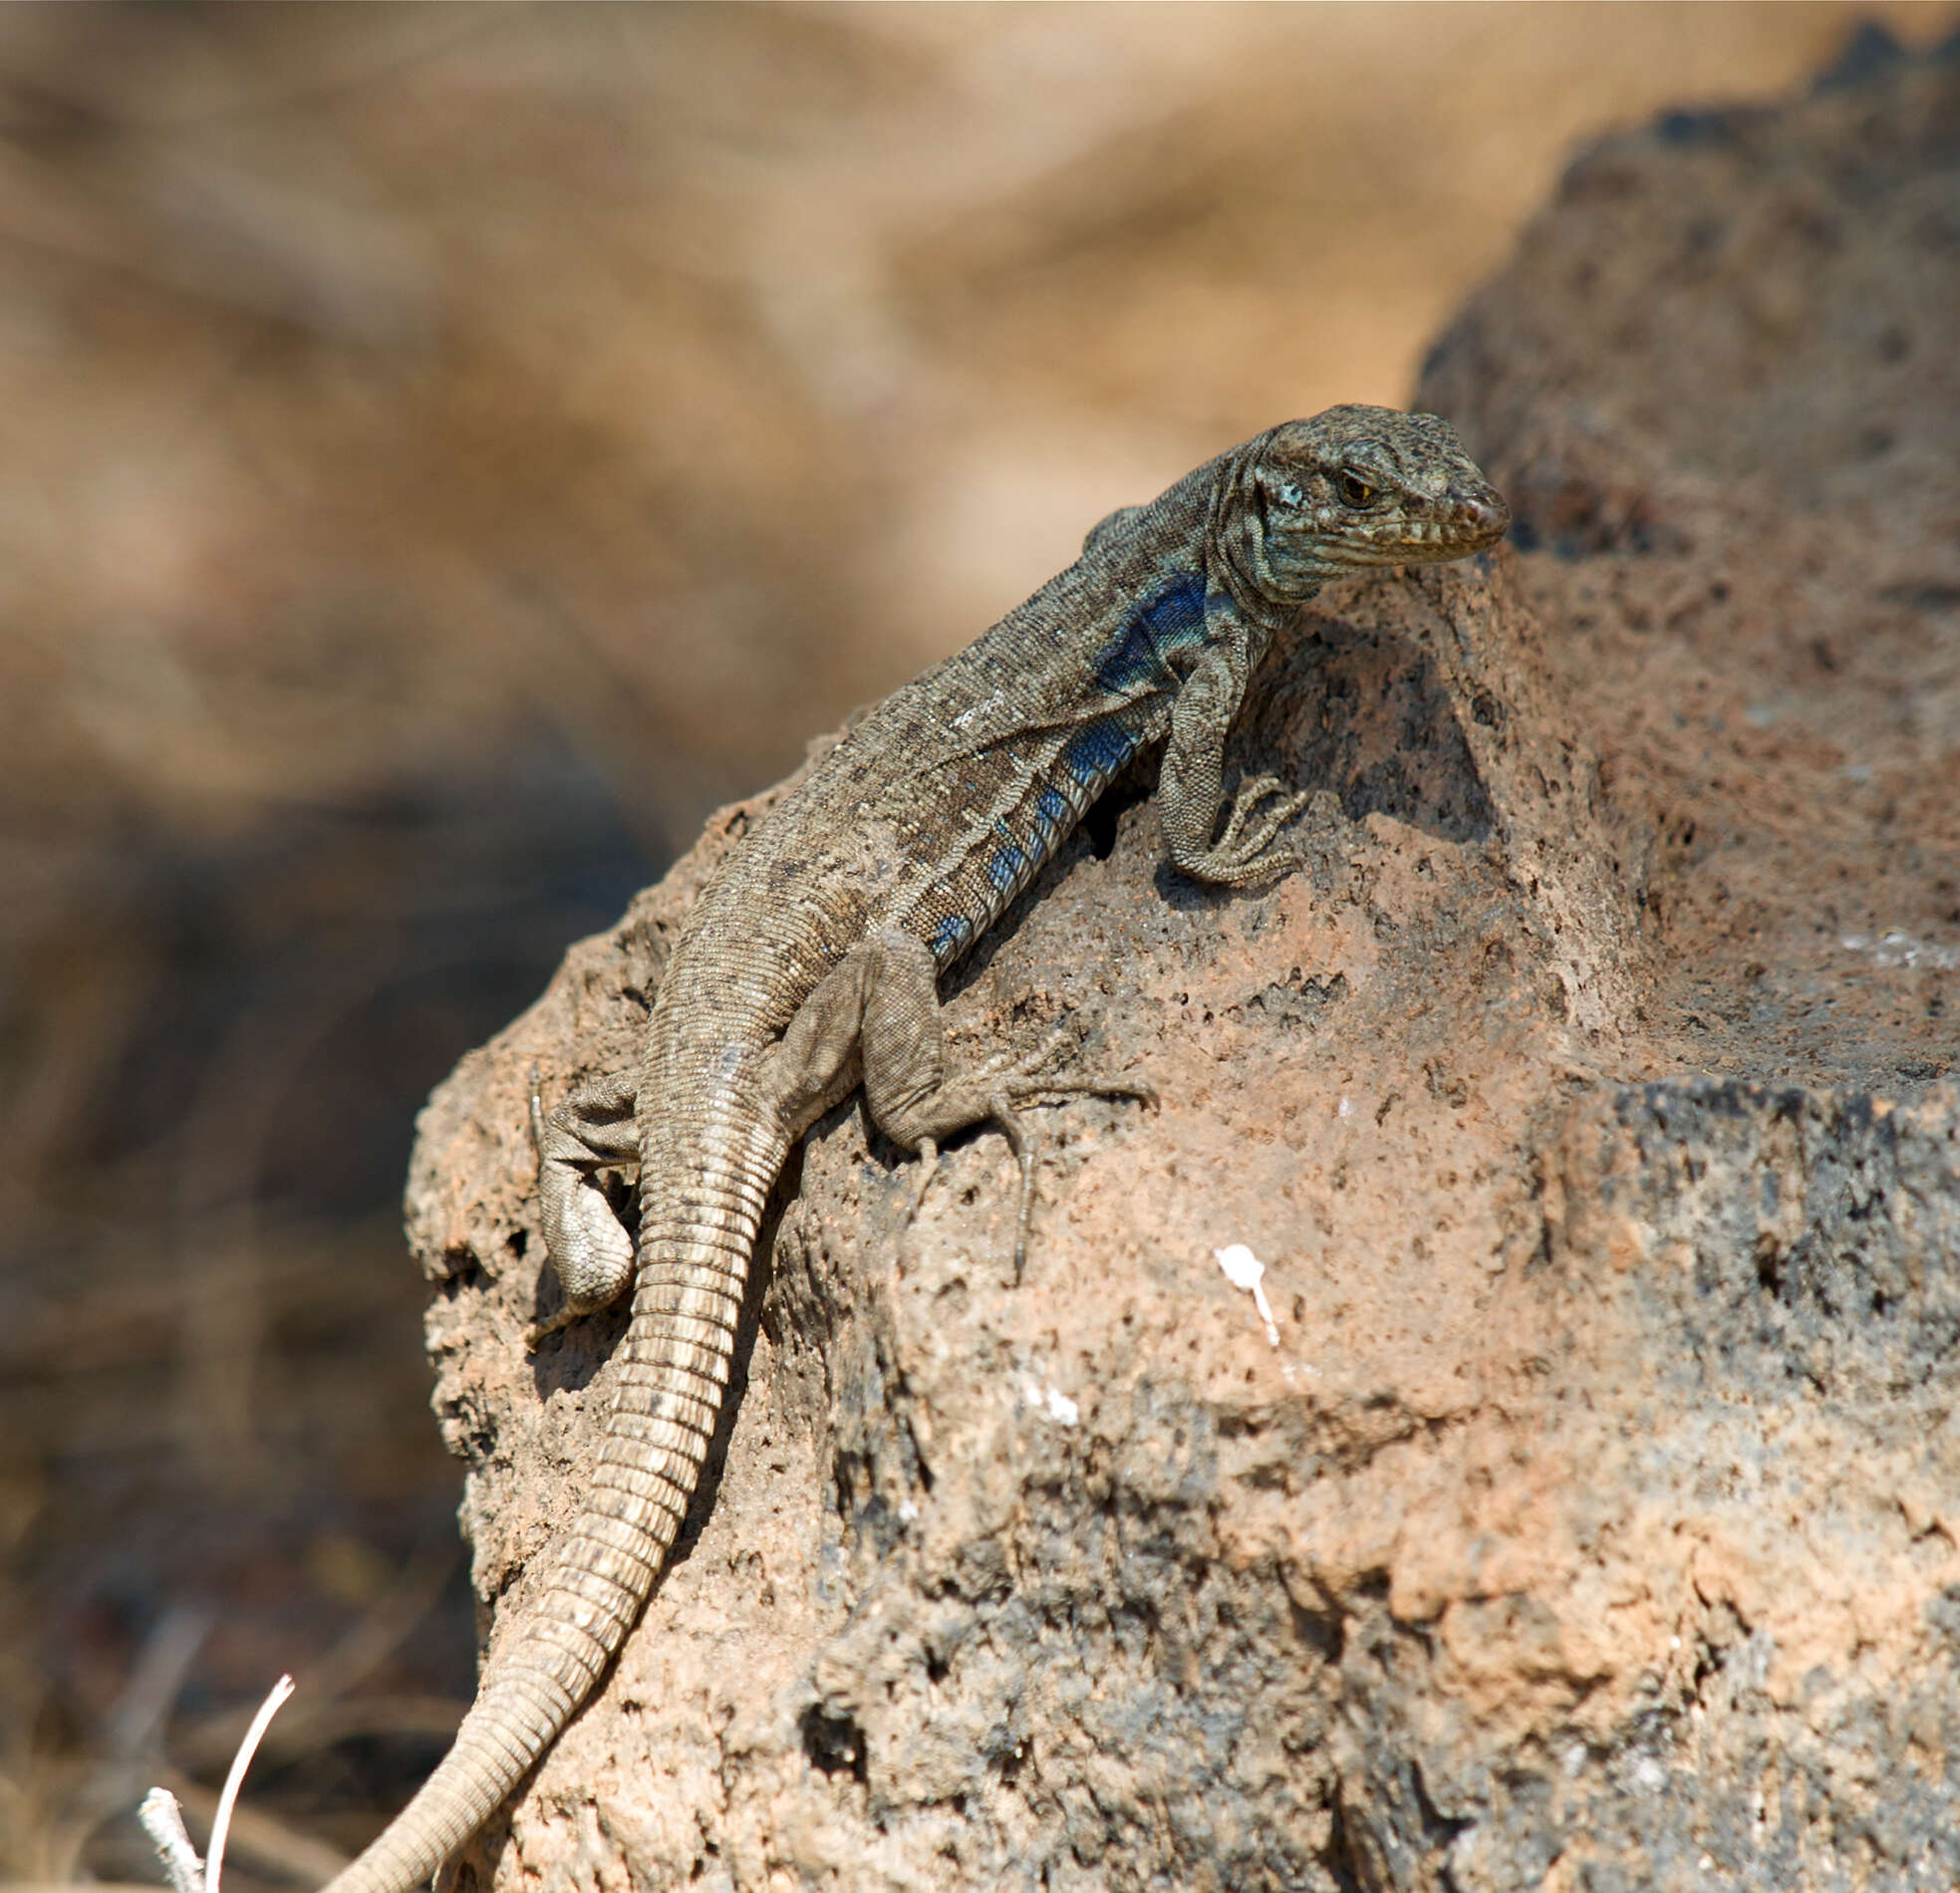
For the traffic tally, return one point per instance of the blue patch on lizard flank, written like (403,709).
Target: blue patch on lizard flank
(1139,651)
(1096,751)
(1004,868)
(949,935)
(1051,812)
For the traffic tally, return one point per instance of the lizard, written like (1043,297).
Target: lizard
(810,966)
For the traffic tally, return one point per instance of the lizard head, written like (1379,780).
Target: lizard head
(1359,486)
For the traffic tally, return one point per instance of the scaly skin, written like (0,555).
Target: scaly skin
(810,961)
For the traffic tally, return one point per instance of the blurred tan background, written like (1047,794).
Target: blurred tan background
(446,450)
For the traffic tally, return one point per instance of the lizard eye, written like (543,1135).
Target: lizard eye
(1353,489)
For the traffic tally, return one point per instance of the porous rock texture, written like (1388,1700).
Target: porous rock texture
(1588,1517)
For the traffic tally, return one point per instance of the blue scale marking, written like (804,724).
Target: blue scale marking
(1097,751)
(1174,617)
(1004,868)
(1138,653)
(1046,826)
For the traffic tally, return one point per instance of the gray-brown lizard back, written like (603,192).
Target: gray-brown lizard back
(809,960)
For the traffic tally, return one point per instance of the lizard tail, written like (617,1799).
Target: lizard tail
(674,1368)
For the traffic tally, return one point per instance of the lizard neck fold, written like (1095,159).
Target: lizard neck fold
(1234,544)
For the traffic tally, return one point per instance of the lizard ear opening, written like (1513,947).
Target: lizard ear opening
(1259,526)
(1279,486)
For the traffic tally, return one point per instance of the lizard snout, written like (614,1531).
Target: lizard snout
(1486,514)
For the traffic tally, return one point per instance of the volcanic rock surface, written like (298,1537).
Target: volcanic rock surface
(1588,1515)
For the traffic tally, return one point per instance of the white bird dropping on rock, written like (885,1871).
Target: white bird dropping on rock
(1243,1270)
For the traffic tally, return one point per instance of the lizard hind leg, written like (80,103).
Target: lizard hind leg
(875,1018)
(916,1096)
(591,1254)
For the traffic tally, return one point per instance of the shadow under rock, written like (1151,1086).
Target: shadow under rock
(1364,713)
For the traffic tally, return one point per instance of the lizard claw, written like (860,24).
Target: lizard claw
(1030,1081)
(1245,853)
(1262,807)
(541,1331)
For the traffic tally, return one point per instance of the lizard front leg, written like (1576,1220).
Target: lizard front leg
(1190,785)
(875,1018)
(590,1252)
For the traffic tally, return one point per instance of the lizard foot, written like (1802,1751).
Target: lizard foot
(1261,808)
(590,1252)
(1009,1085)
(1246,853)
(1279,800)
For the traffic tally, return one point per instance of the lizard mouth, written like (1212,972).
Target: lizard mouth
(1475,520)
(1467,523)
(1446,529)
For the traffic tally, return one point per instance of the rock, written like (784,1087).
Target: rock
(1592,1520)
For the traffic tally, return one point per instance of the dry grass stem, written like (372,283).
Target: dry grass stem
(163,1820)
